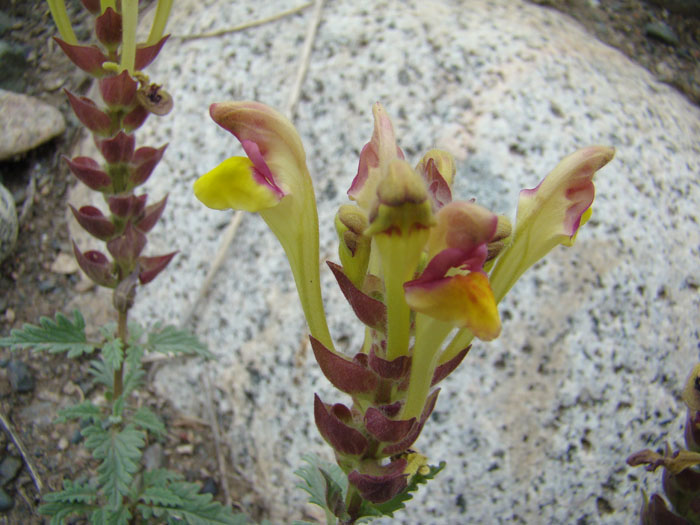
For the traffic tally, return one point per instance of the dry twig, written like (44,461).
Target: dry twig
(15,439)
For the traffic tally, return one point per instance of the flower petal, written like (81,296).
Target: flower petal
(464,300)
(235,184)
(549,214)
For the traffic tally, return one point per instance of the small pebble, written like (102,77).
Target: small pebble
(209,487)
(21,378)
(9,467)
(662,32)
(10,315)
(153,457)
(6,502)
(62,444)
(77,437)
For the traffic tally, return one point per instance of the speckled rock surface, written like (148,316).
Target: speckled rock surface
(26,123)
(597,340)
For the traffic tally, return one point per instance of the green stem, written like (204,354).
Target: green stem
(430,334)
(353,504)
(60,18)
(130,16)
(399,257)
(159,21)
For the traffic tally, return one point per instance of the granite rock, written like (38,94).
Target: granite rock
(597,340)
(8,223)
(27,122)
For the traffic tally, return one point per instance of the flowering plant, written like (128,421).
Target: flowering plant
(422,272)
(114,430)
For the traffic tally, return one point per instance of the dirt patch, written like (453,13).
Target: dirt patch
(31,285)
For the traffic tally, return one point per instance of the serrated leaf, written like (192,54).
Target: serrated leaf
(161,497)
(113,353)
(322,478)
(54,337)
(194,508)
(104,376)
(160,477)
(105,516)
(73,493)
(85,411)
(147,420)
(120,452)
(59,511)
(171,340)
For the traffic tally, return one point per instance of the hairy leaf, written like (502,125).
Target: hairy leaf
(54,337)
(120,452)
(102,374)
(61,510)
(147,420)
(170,340)
(325,482)
(85,411)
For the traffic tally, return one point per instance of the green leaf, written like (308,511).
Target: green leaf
(147,420)
(106,516)
(120,452)
(113,353)
(54,337)
(181,501)
(325,482)
(102,374)
(85,411)
(171,340)
(75,498)
(160,477)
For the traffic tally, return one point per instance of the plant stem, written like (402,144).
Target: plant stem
(353,503)
(123,335)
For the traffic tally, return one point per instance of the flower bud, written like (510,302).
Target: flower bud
(335,425)
(379,484)
(438,169)
(500,238)
(354,247)
(118,149)
(127,247)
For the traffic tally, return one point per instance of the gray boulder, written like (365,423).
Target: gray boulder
(27,122)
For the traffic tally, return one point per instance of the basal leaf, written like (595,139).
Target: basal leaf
(171,340)
(62,335)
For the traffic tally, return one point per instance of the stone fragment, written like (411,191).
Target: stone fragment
(26,122)
(21,378)
(64,264)
(9,225)
(9,467)
(662,32)
(6,502)
(13,64)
